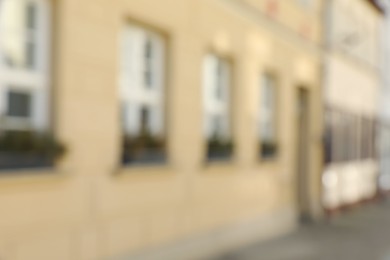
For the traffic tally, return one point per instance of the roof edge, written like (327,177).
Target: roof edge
(377,6)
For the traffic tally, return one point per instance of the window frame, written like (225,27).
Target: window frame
(218,148)
(130,106)
(38,81)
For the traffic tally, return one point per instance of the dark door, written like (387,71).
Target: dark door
(303,154)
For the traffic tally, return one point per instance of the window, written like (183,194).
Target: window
(24,84)
(32,33)
(366,145)
(349,137)
(216,102)
(352,137)
(142,91)
(24,62)
(329,136)
(148,46)
(19,104)
(22,28)
(268,117)
(373,139)
(333,136)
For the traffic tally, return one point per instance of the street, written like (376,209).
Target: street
(361,234)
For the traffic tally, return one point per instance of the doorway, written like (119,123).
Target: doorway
(303,154)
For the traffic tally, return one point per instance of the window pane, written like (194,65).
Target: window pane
(219,80)
(268,136)
(18,24)
(144,120)
(19,104)
(267,107)
(217,126)
(30,55)
(373,154)
(366,140)
(216,86)
(328,136)
(31,16)
(142,82)
(148,52)
(142,88)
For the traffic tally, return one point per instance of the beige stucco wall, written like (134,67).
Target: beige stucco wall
(88,207)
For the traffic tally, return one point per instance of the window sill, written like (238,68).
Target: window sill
(32,176)
(269,160)
(225,160)
(219,166)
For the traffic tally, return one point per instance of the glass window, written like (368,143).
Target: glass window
(219,79)
(148,62)
(268,116)
(142,88)
(346,137)
(21,31)
(25,138)
(216,102)
(24,41)
(19,104)
(31,16)
(366,144)
(329,136)
(373,139)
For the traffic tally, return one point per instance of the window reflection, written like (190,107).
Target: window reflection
(19,30)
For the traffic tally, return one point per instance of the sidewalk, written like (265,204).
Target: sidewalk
(362,234)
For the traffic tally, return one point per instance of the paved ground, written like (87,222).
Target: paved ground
(362,234)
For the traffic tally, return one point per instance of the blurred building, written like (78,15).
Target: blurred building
(171,129)
(384,179)
(352,89)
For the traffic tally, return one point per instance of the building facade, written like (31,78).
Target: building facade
(162,129)
(352,87)
(384,179)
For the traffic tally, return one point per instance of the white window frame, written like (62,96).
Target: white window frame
(216,96)
(134,90)
(21,78)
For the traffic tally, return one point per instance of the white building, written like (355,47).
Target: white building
(352,84)
(384,179)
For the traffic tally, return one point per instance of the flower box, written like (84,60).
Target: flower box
(143,149)
(219,150)
(26,149)
(268,150)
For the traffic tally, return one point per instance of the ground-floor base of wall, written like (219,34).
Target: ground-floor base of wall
(225,239)
(332,212)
